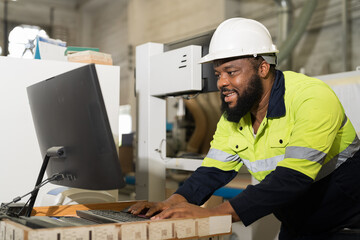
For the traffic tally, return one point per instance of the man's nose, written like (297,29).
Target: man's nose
(222,81)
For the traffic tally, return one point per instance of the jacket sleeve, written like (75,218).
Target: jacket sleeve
(280,187)
(318,117)
(203,182)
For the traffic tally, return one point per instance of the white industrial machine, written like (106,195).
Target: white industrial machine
(163,71)
(158,75)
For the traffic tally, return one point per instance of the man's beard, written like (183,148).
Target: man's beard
(245,102)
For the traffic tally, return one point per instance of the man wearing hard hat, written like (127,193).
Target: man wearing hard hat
(288,129)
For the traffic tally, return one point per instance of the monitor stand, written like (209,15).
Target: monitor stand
(53,152)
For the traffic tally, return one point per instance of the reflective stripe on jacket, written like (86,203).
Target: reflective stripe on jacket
(305,129)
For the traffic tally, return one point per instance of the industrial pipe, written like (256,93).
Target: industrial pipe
(297,30)
(284,22)
(345,35)
(284,25)
(6,35)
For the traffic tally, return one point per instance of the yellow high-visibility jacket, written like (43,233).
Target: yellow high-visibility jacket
(312,136)
(304,151)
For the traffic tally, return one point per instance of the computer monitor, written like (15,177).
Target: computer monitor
(68,110)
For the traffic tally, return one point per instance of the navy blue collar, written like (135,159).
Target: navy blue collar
(276,106)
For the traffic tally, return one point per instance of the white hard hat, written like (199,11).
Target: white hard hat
(241,37)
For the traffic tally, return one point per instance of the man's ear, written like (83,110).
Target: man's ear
(264,69)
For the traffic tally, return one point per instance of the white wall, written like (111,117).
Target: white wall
(104,24)
(20,159)
(318,52)
(118,26)
(65,24)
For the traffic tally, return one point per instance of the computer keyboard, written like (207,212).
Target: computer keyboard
(109,216)
(75,221)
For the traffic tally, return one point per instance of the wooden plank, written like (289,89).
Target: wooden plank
(77,233)
(184,228)
(220,224)
(14,231)
(106,232)
(159,230)
(133,231)
(46,234)
(2,230)
(95,232)
(202,227)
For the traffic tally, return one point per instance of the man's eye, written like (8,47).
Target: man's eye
(231,73)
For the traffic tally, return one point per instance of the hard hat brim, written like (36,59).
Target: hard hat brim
(232,53)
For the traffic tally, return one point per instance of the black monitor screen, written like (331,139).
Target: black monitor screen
(68,110)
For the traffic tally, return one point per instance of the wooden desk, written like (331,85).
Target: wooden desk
(183,228)
(70,210)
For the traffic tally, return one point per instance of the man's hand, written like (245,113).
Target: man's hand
(150,208)
(176,206)
(185,209)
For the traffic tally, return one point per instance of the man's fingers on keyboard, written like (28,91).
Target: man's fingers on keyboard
(136,211)
(152,211)
(139,207)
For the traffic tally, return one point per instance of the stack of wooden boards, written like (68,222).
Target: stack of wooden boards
(183,228)
(87,55)
(90,57)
